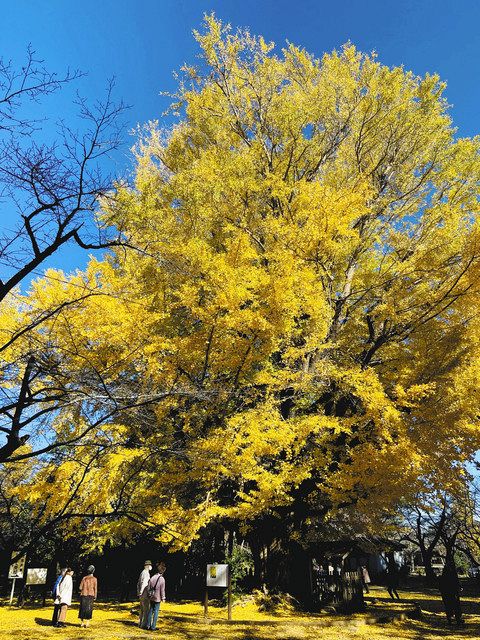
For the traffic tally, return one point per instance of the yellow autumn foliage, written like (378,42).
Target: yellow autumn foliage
(299,317)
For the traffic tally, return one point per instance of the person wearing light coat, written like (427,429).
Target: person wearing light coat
(142,592)
(64,596)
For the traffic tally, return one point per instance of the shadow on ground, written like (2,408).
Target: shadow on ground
(47,622)
(44,622)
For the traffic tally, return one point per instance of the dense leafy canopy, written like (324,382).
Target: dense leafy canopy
(297,327)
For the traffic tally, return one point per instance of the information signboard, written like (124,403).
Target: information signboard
(37,576)
(217,575)
(17,568)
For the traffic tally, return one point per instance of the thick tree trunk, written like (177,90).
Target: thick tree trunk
(430,576)
(230,541)
(258,568)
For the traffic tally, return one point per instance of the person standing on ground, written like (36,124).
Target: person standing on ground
(88,594)
(64,596)
(142,592)
(449,586)
(393,580)
(365,578)
(125,580)
(156,591)
(56,607)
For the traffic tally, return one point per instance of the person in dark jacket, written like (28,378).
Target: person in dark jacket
(449,586)
(156,589)
(393,580)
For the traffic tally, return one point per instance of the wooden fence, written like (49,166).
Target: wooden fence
(343,592)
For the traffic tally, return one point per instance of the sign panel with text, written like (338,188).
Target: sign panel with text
(217,575)
(17,568)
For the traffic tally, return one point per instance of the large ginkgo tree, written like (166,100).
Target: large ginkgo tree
(297,328)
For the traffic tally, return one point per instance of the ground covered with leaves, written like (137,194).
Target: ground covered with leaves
(184,621)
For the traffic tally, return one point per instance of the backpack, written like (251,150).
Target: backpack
(55,586)
(151,590)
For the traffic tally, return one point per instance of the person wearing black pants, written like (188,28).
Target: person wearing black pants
(393,580)
(449,586)
(56,611)
(56,607)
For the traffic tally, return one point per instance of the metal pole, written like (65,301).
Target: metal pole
(12,591)
(229,595)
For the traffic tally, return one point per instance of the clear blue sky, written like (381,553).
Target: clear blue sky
(141,42)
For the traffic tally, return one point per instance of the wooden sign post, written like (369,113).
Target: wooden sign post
(15,572)
(229,594)
(205,604)
(219,575)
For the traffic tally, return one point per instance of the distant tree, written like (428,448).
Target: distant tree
(466,523)
(445,525)
(425,524)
